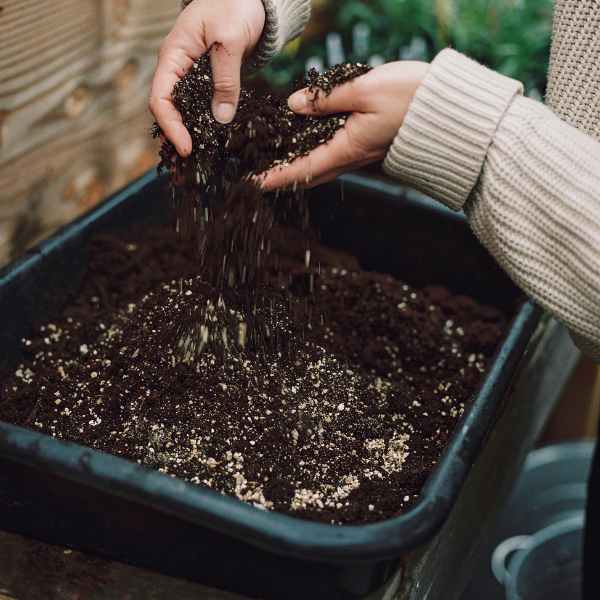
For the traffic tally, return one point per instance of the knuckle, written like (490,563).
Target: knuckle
(168,46)
(248,34)
(226,85)
(231,37)
(163,48)
(360,87)
(153,104)
(356,148)
(318,101)
(357,151)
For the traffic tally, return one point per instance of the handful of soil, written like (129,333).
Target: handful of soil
(264,133)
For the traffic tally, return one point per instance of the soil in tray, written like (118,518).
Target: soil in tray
(339,418)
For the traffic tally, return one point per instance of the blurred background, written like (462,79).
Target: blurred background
(74,83)
(511,36)
(75,74)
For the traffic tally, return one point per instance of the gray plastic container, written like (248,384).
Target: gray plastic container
(551,487)
(544,566)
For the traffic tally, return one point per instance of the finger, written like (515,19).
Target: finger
(226,62)
(331,175)
(335,173)
(172,65)
(345,98)
(324,159)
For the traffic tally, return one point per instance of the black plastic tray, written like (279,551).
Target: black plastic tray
(69,494)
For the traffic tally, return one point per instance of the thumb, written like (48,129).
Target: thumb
(345,98)
(226,65)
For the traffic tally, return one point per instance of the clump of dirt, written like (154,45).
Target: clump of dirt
(342,423)
(264,133)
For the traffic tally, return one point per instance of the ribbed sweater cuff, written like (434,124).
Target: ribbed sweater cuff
(442,144)
(284,20)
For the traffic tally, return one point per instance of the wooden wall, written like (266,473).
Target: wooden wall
(74,81)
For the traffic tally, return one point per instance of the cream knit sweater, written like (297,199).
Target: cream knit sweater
(527,175)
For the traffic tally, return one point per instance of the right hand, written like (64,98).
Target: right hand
(378,101)
(229,29)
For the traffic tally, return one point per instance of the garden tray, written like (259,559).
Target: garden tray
(68,494)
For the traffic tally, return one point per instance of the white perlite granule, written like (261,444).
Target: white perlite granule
(390,456)
(397,452)
(304,498)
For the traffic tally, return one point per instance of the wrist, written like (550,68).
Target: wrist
(443,142)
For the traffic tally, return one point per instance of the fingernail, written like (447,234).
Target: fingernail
(224,112)
(298,101)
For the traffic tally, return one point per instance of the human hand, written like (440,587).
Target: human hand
(378,101)
(229,29)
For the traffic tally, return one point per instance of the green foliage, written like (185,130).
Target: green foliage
(510,36)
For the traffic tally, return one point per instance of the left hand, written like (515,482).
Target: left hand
(378,101)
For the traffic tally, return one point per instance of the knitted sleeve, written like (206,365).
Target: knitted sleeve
(285,20)
(528,182)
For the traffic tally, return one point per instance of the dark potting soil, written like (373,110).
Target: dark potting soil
(239,354)
(264,133)
(341,420)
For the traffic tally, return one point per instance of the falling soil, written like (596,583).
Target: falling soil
(341,424)
(217,206)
